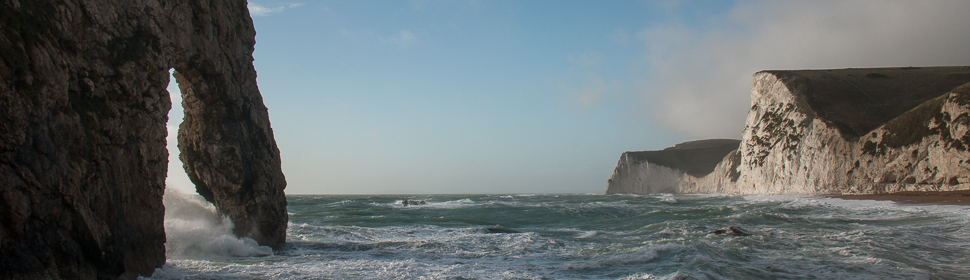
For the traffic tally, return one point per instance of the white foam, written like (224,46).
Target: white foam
(799,201)
(825,237)
(451,204)
(775,197)
(637,256)
(639,276)
(587,234)
(194,229)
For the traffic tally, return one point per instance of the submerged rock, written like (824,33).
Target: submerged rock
(82,131)
(500,230)
(408,202)
(732,231)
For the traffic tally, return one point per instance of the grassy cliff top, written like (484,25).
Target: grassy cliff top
(696,158)
(858,100)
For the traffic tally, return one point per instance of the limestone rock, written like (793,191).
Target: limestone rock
(821,131)
(82,131)
(665,171)
(849,131)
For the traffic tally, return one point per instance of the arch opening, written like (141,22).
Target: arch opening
(176,178)
(194,229)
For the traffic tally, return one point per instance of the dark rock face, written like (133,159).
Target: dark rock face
(732,231)
(408,202)
(82,131)
(226,143)
(500,229)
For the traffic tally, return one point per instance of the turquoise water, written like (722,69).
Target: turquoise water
(588,236)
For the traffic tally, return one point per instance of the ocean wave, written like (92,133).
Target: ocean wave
(194,229)
(604,237)
(636,256)
(451,204)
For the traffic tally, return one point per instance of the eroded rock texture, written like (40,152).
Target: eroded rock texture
(850,131)
(854,131)
(83,108)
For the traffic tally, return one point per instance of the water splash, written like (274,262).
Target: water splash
(195,230)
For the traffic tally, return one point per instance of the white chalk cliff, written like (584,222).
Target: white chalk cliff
(844,131)
(667,170)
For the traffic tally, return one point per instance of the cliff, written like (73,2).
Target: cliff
(850,131)
(82,131)
(664,171)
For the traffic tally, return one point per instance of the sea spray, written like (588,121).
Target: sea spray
(195,230)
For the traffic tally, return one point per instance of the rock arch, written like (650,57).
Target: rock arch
(82,131)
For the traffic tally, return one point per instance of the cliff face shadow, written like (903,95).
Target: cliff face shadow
(82,136)
(856,101)
(696,158)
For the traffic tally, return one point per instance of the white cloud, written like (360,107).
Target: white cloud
(698,82)
(587,94)
(257,10)
(403,39)
(585,87)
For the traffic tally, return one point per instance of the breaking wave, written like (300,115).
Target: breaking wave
(580,237)
(195,230)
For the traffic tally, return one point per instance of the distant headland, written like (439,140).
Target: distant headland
(837,131)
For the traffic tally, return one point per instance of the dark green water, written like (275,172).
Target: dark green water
(583,236)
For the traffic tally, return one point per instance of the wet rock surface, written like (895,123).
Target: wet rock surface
(732,231)
(82,131)
(499,229)
(408,202)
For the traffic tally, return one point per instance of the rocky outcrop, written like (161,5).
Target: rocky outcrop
(225,141)
(732,231)
(665,171)
(82,131)
(850,131)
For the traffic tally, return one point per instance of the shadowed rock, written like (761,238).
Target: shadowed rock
(858,100)
(82,131)
(499,229)
(408,202)
(732,231)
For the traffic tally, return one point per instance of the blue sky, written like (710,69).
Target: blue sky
(543,96)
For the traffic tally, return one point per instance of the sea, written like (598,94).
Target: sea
(576,236)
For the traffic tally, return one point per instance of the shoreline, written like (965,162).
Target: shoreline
(915,197)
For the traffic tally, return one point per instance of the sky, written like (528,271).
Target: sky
(442,97)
